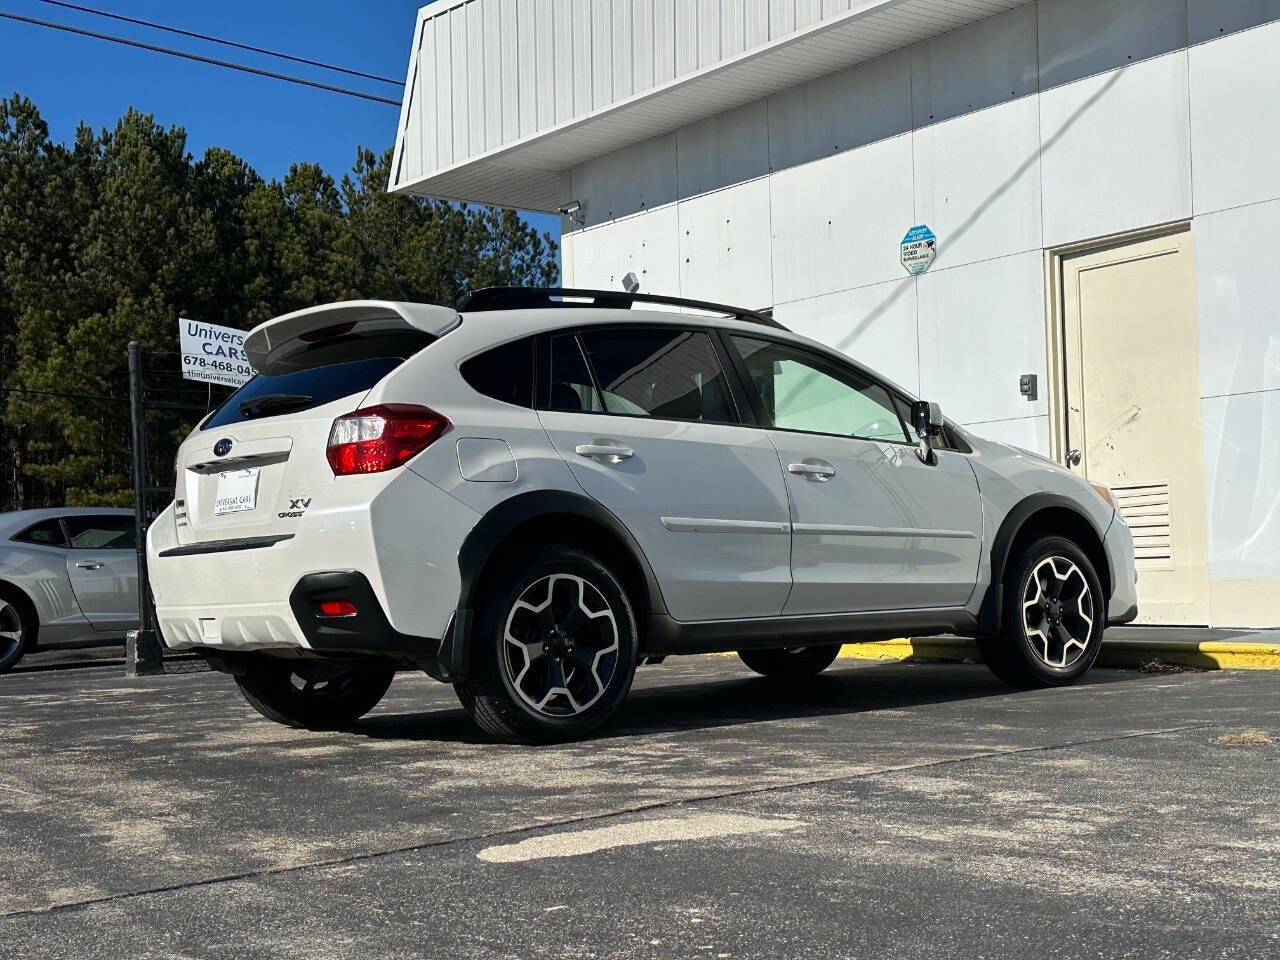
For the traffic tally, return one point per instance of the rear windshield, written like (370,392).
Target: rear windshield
(326,371)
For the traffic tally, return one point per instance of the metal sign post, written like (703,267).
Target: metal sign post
(143,654)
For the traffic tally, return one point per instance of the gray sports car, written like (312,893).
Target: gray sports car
(66,574)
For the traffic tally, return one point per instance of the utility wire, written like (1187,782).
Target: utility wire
(196,57)
(225,43)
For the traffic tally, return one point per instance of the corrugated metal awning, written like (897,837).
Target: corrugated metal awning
(530,172)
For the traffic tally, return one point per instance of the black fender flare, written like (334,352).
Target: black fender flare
(989,613)
(454,657)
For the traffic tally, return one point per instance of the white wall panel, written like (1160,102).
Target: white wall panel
(1029,433)
(874,325)
(782,18)
(476,72)
(1238,289)
(727,149)
(1235,148)
(412,161)
(1116,151)
(545,41)
(628,181)
(1209,19)
(725,246)
(978,182)
(642,51)
(446,103)
(1241,463)
(841,112)
(981,327)
(566,42)
(686,32)
(709,27)
(837,224)
(494,74)
(601,52)
(623,38)
(987,63)
(808,12)
(646,245)
(1080,38)
(580,54)
(664,46)
(527,67)
(755,23)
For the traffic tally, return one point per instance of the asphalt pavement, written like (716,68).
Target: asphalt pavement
(879,810)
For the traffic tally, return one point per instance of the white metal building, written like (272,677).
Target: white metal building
(1102,176)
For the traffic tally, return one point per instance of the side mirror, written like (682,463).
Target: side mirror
(927,419)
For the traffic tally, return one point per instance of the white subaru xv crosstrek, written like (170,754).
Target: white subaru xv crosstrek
(529,495)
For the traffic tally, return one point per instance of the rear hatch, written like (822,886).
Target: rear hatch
(251,469)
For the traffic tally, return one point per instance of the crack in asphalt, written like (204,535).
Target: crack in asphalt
(503,834)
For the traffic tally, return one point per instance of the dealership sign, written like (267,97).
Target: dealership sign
(919,250)
(213,354)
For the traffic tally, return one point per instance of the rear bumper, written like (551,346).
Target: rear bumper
(394,552)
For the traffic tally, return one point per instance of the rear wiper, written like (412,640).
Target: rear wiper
(271,403)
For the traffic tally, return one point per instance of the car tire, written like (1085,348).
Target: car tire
(791,662)
(315,694)
(554,650)
(1053,617)
(18,627)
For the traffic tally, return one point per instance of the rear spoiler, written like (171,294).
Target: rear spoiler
(269,343)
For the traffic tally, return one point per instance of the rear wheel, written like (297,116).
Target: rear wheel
(1053,618)
(17,628)
(315,694)
(555,648)
(791,662)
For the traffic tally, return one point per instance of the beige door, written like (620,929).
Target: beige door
(1131,353)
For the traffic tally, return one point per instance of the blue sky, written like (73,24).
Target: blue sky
(270,123)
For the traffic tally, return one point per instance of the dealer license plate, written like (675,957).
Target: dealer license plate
(237,492)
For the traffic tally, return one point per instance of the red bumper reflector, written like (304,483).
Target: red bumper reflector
(337,608)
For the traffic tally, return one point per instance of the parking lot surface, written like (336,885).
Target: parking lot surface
(879,810)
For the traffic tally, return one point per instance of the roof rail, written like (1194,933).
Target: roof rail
(529,298)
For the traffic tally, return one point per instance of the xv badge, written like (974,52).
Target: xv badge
(296,507)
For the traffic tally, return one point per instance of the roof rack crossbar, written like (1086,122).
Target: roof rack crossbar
(528,298)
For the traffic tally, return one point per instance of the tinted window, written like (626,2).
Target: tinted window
(102,533)
(504,373)
(570,387)
(46,533)
(657,372)
(804,391)
(291,392)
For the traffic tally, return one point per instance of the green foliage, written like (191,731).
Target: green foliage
(115,236)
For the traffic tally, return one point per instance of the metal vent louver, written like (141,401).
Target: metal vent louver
(1145,508)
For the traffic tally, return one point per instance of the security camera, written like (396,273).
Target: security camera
(630,283)
(573,210)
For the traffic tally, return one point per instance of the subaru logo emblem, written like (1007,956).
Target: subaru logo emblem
(222,448)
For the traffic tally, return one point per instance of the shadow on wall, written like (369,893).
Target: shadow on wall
(1026,51)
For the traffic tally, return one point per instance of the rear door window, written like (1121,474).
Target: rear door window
(326,371)
(102,533)
(661,372)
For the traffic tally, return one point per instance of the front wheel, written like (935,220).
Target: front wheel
(1053,618)
(554,651)
(315,694)
(791,662)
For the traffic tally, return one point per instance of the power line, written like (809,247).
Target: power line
(226,43)
(196,57)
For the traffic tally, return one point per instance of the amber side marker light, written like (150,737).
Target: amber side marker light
(1104,492)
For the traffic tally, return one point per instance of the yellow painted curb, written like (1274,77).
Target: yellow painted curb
(1206,654)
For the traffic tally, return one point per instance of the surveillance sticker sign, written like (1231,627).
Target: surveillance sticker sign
(919,250)
(213,354)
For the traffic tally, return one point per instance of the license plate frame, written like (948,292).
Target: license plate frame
(237,492)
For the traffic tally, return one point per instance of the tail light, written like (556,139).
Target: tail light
(382,437)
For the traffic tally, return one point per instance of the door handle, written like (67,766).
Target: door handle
(812,470)
(609,450)
(89,564)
